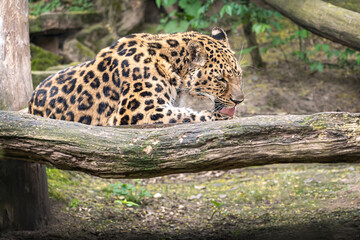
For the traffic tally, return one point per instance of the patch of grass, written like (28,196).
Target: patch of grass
(126,193)
(74,203)
(58,182)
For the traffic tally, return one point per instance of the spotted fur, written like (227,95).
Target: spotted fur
(136,81)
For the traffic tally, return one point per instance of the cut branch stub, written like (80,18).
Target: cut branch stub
(149,151)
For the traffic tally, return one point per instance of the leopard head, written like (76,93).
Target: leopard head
(214,72)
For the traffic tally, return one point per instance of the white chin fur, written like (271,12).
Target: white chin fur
(196,103)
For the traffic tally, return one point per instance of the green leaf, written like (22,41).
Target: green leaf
(325,47)
(118,201)
(167,3)
(320,67)
(312,67)
(190,7)
(222,11)
(129,203)
(247,50)
(158,3)
(358,60)
(316,66)
(200,24)
(229,10)
(259,28)
(226,9)
(171,26)
(218,204)
(183,26)
(175,26)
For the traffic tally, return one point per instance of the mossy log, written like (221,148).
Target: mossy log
(324,19)
(149,151)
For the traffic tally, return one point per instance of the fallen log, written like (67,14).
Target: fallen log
(324,19)
(149,151)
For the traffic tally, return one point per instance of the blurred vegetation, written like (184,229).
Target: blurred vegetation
(266,24)
(38,7)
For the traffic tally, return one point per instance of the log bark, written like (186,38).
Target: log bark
(148,151)
(24,198)
(324,19)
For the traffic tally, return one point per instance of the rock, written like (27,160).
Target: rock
(122,16)
(157,195)
(75,51)
(96,37)
(197,196)
(60,22)
(49,30)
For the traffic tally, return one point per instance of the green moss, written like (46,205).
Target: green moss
(315,121)
(84,51)
(42,59)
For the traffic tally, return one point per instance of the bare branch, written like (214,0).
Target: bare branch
(324,19)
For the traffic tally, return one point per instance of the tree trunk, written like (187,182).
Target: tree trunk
(251,42)
(24,195)
(149,151)
(24,199)
(250,36)
(324,19)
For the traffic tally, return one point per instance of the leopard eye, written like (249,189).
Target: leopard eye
(222,82)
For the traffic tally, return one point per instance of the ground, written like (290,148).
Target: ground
(271,202)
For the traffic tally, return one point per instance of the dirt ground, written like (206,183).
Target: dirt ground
(271,202)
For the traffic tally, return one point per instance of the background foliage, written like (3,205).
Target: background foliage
(198,15)
(38,7)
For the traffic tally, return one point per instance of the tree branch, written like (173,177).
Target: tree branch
(324,19)
(148,151)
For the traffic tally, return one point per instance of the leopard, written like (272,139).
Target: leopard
(137,79)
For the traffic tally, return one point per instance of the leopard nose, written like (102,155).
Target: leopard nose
(237,101)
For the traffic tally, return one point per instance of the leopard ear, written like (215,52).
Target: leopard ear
(197,53)
(220,35)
